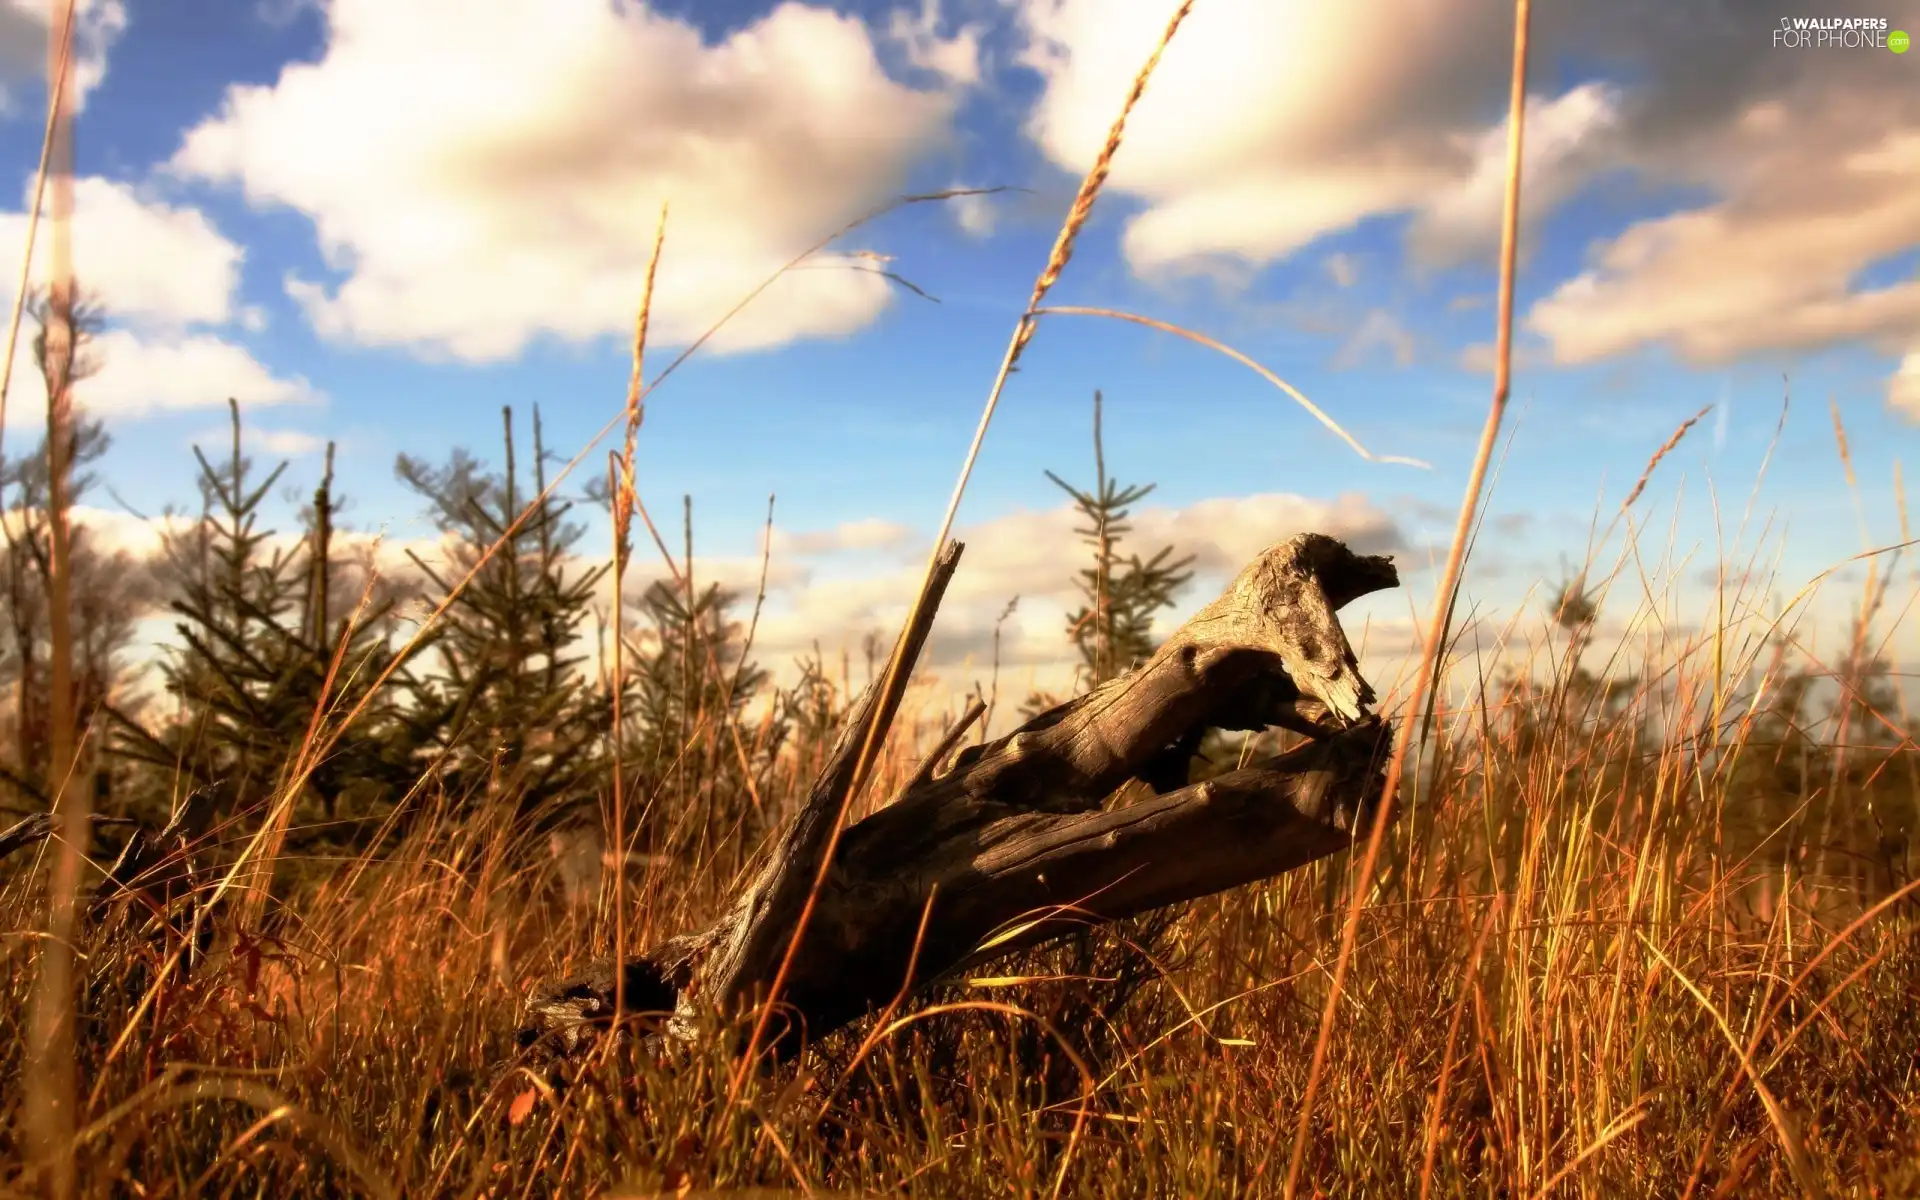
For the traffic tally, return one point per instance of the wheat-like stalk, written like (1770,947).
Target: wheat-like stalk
(886,700)
(1667,447)
(622,496)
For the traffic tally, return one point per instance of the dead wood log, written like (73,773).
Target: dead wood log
(744,953)
(150,865)
(1014,845)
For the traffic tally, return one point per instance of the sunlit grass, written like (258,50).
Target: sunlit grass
(1650,911)
(1645,927)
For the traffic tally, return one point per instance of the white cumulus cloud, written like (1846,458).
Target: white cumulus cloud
(506,185)
(869,533)
(166,282)
(143,259)
(1773,267)
(140,377)
(1903,390)
(1269,123)
(97,25)
(1273,123)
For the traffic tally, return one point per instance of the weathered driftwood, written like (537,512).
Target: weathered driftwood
(1013,844)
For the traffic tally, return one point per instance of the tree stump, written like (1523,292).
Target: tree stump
(1015,843)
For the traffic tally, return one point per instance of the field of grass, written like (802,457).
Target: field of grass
(1597,960)
(1646,925)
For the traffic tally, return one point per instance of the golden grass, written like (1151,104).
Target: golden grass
(1595,963)
(1605,956)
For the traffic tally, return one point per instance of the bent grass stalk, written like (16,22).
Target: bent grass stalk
(1314,410)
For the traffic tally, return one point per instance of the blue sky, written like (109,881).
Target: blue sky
(377,221)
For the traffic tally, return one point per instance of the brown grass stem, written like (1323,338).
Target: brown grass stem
(1436,633)
(51,1081)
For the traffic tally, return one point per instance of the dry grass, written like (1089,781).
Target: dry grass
(1594,960)
(1630,936)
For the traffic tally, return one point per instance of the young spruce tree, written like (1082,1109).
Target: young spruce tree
(261,617)
(508,712)
(1113,627)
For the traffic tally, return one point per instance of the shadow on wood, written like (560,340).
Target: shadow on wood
(1016,843)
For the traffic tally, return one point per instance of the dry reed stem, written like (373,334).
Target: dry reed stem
(1869,605)
(60,360)
(753,627)
(881,716)
(1443,597)
(1634,493)
(1023,332)
(51,1085)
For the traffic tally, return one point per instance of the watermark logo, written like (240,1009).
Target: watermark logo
(1839,33)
